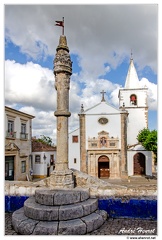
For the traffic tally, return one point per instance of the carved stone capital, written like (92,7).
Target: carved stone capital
(62,61)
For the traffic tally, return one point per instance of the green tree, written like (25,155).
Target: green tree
(46,140)
(148,139)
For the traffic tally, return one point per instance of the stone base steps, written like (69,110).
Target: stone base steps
(79,226)
(37,211)
(60,197)
(77,214)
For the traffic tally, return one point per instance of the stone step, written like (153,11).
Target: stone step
(37,211)
(60,197)
(93,221)
(80,226)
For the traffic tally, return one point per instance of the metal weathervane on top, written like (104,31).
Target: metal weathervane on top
(60,24)
(131,54)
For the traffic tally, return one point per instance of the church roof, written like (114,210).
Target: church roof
(11,110)
(137,147)
(74,131)
(102,108)
(132,80)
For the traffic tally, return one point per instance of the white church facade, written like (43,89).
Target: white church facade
(105,143)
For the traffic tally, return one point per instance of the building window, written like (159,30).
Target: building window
(75,139)
(52,160)
(23,128)
(23,134)
(10,126)
(23,166)
(37,158)
(93,144)
(10,131)
(112,144)
(75,160)
(133,99)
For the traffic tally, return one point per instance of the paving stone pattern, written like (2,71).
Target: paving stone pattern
(110,227)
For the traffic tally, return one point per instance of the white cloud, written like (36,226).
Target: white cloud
(44,122)
(91,93)
(97,33)
(29,84)
(152,93)
(114,96)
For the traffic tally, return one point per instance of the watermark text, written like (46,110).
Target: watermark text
(138,230)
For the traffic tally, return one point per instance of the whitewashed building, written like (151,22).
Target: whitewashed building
(74,152)
(136,153)
(43,159)
(105,143)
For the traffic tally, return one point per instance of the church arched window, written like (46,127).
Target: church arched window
(133,99)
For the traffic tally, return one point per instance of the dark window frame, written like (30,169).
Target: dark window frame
(37,161)
(75,139)
(133,99)
(23,166)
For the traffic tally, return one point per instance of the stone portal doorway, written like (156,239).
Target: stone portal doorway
(103,167)
(139,164)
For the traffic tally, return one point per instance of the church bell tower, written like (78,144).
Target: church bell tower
(134,99)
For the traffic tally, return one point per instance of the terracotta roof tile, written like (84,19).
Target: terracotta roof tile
(41,147)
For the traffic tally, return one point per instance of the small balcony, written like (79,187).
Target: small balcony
(23,136)
(11,135)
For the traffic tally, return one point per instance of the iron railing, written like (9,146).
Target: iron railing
(11,134)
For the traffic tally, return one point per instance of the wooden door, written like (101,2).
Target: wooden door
(103,167)
(139,164)
(104,170)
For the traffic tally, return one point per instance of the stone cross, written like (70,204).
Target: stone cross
(103,99)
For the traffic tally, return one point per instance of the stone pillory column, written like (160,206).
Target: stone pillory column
(124,116)
(62,177)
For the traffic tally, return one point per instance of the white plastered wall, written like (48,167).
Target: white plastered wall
(148,163)
(74,150)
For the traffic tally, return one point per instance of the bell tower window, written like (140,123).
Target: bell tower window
(133,99)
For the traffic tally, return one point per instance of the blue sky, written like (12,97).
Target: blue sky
(100,51)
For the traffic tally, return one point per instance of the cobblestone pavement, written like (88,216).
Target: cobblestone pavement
(110,227)
(140,182)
